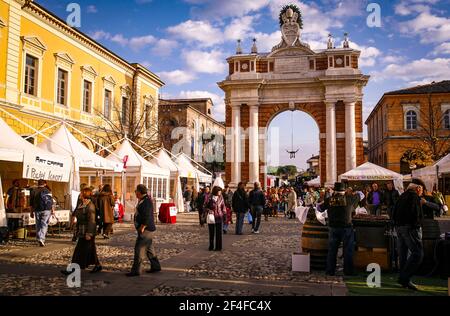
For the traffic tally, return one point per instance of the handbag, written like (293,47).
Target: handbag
(53,220)
(210,219)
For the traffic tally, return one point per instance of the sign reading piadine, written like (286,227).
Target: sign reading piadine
(47,167)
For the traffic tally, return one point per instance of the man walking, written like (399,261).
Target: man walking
(341,205)
(408,217)
(42,207)
(145,226)
(240,206)
(257,201)
(187,199)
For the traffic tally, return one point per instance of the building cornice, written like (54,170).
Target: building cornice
(49,18)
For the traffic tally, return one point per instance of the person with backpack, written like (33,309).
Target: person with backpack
(41,201)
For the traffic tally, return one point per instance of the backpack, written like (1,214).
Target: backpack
(46,201)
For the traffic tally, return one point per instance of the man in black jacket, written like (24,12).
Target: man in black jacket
(257,202)
(408,218)
(145,226)
(240,206)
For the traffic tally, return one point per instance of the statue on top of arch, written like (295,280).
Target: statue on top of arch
(291,24)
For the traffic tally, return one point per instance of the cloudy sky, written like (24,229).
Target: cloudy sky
(186,42)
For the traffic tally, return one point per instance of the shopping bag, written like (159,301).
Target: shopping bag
(210,219)
(322,217)
(301,213)
(361,211)
(249,218)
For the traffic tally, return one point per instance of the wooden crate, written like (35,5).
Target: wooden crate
(365,256)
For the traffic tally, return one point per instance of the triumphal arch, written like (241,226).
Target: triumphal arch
(327,84)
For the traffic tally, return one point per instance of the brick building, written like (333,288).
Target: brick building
(398,121)
(196,116)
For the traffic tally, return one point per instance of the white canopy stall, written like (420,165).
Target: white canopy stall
(86,161)
(369,172)
(19,159)
(185,162)
(315,183)
(430,175)
(140,171)
(163,160)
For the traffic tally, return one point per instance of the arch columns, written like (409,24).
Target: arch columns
(235,145)
(350,135)
(331,143)
(253,133)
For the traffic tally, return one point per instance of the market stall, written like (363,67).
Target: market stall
(369,173)
(315,183)
(193,171)
(86,164)
(162,159)
(22,161)
(140,171)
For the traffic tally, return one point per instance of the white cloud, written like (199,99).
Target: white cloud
(205,62)
(369,54)
(240,28)
(138,43)
(146,64)
(408,7)
(218,100)
(266,42)
(213,9)
(430,28)
(421,70)
(119,39)
(164,47)
(201,32)
(100,35)
(391,59)
(91,9)
(443,49)
(177,77)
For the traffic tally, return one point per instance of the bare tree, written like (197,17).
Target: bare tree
(434,138)
(141,129)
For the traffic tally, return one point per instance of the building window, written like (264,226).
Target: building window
(62,86)
(87,96)
(31,68)
(125,112)
(411,120)
(447,119)
(107,107)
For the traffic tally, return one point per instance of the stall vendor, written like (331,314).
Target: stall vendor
(13,197)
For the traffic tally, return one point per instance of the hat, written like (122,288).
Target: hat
(419,182)
(339,187)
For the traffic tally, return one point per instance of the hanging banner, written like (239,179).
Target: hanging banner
(45,166)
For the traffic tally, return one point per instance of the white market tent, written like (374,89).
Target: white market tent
(430,175)
(185,162)
(140,171)
(219,183)
(63,141)
(372,172)
(19,159)
(46,165)
(314,183)
(86,161)
(163,160)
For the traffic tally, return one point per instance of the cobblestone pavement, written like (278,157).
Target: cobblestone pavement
(248,265)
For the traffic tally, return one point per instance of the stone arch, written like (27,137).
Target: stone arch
(316,110)
(88,144)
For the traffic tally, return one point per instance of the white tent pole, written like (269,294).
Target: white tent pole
(33,129)
(44,130)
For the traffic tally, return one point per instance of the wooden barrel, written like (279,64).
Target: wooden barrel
(431,232)
(315,242)
(430,229)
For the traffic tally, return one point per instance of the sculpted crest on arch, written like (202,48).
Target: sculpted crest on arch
(291,24)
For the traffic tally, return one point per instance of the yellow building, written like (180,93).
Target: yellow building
(50,72)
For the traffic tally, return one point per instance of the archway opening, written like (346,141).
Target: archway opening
(293,139)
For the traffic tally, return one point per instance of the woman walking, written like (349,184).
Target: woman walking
(85,253)
(106,205)
(215,207)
